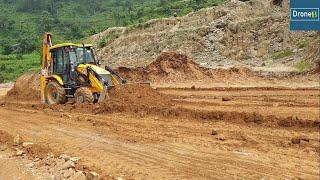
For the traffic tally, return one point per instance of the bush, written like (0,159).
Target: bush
(26,45)
(6,47)
(303,66)
(19,56)
(282,54)
(1,78)
(101,43)
(303,45)
(107,39)
(2,67)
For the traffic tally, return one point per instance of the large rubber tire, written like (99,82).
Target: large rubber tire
(55,94)
(83,95)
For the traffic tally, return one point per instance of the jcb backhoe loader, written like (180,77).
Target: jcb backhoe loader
(72,71)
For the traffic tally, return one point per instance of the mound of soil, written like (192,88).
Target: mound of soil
(26,88)
(175,67)
(137,94)
(139,74)
(134,98)
(169,66)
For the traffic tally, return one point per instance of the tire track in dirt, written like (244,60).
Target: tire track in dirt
(199,113)
(146,157)
(151,160)
(132,154)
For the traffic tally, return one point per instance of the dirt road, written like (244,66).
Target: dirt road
(137,146)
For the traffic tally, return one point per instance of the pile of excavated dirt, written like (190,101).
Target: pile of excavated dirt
(138,94)
(134,98)
(26,88)
(176,67)
(169,66)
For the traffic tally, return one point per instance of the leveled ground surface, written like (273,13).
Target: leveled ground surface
(155,146)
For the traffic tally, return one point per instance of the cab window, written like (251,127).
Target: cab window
(59,66)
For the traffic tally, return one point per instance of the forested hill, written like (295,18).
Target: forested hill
(22,23)
(25,20)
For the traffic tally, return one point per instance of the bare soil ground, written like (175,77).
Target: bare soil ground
(256,128)
(137,145)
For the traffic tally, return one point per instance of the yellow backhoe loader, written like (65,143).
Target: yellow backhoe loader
(72,71)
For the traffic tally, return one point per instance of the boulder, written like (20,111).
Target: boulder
(68,173)
(17,140)
(92,176)
(19,152)
(79,175)
(68,164)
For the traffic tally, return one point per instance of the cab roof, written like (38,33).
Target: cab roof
(69,44)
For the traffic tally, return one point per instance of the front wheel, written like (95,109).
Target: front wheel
(83,95)
(55,94)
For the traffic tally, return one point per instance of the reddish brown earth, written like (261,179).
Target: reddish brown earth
(174,70)
(172,66)
(145,132)
(137,143)
(26,88)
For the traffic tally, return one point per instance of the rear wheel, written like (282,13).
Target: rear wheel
(83,95)
(55,94)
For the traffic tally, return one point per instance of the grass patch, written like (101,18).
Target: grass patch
(107,39)
(282,54)
(138,26)
(303,66)
(12,66)
(303,45)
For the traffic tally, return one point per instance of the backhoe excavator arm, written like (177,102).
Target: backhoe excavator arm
(46,55)
(45,63)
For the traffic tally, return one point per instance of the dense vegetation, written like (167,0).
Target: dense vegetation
(22,22)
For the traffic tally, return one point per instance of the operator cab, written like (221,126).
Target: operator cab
(67,57)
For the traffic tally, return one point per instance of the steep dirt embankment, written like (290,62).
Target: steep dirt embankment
(313,55)
(254,33)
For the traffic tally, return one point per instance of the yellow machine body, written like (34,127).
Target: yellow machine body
(89,81)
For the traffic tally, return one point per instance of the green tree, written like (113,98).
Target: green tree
(1,78)
(74,32)
(46,22)
(27,45)
(6,47)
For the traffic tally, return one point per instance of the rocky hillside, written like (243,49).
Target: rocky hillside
(254,33)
